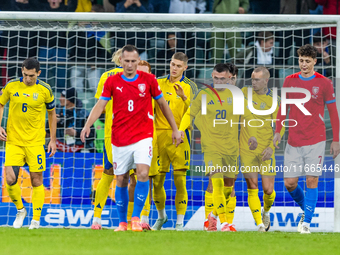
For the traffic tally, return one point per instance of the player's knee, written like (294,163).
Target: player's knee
(13,179)
(268,190)
(108,171)
(180,180)
(158,181)
(290,185)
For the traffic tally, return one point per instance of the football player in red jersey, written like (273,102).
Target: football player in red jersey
(305,151)
(132,130)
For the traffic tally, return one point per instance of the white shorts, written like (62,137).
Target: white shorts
(126,157)
(305,160)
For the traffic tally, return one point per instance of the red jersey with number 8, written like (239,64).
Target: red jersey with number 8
(132,111)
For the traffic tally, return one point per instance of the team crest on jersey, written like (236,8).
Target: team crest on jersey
(35,96)
(230,100)
(141,87)
(315,91)
(263,105)
(26,95)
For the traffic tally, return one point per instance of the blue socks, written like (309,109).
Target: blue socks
(122,201)
(310,204)
(298,196)
(141,193)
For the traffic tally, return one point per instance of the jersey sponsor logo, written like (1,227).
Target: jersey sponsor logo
(41,168)
(183,202)
(26,95)
(120,89)
(38,209)
(35,96)
(141,87)
(220,206)
(211,102)
(332,94)
(98,206)
(186,164)
(16,94)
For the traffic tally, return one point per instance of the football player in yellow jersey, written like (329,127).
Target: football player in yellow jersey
(25,138)
(230,197)
(262,160)
(219,141)
(178,91)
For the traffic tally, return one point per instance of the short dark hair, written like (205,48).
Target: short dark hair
(307,51)
(232,68)
(181,56)
(129,48)
(222,68)
(31,63)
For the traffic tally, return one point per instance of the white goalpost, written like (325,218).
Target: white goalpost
(74,49)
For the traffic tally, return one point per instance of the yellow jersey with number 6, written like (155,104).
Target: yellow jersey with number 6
(27,111)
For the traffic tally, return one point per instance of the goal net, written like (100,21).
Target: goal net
(75,49)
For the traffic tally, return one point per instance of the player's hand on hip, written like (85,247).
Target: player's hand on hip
(252,143)
(180,91)
(277,140)
(177,138)
(52,148)
(3,134)
(335,149)
(85,133)
(267,154)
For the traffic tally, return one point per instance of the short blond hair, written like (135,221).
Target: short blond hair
(115,57)
(181,56)
(264,70)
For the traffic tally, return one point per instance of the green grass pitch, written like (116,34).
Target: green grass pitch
(86,241)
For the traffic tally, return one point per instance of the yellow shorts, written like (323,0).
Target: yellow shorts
(227,164)
(34,156)
(179,157)
(252,163)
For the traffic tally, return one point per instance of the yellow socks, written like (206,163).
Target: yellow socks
(255,205)
(219,198)
(159,195)
(268,201)
(227,191)
(230,211)
(209,205)
(146,209)
(38,198)
(102,192)
(14,192)
(181,198)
